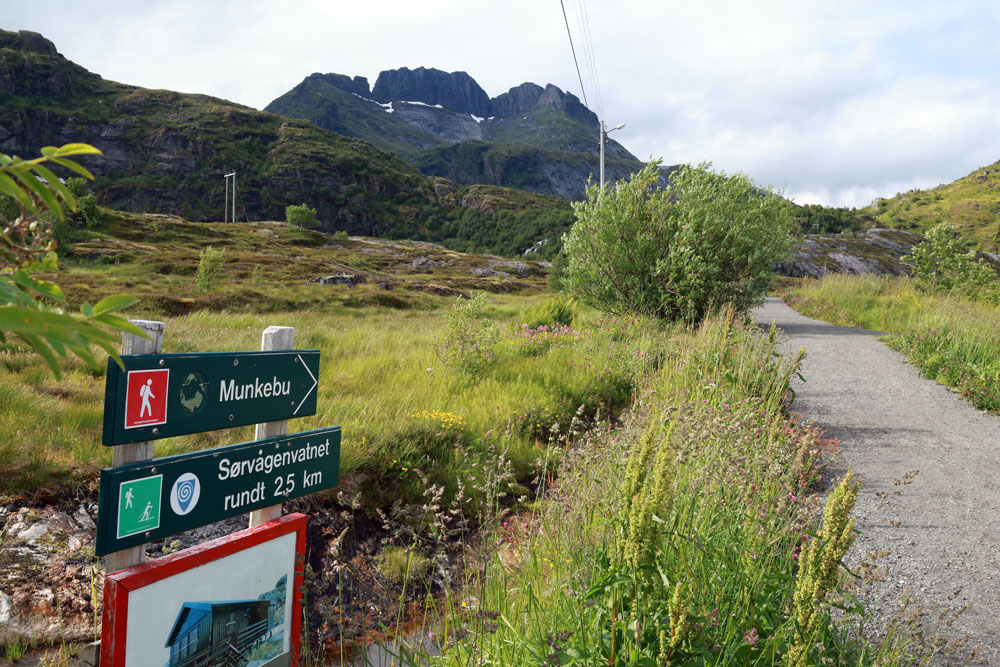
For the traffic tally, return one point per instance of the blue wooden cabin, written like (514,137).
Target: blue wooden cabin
(217,633)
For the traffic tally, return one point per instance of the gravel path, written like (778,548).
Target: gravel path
(943,531)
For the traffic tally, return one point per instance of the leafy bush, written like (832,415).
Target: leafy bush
(947,262)
(88,208)
(554,311)
(676,253)
(301,216)
(470,339)
(210,262)
(340,236)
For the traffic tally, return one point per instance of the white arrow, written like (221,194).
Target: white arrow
(315,382)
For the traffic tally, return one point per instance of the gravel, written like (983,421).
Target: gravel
(941,525)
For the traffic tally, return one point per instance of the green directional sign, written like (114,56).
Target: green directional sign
(139,505)
(154,499)
(163,395)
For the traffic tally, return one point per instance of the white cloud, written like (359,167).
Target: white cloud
(837,101)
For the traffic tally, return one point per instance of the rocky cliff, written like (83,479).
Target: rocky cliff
(166,152)
(456,90)
(876,251)
(539,139)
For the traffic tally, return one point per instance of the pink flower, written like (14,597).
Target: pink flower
(752,637)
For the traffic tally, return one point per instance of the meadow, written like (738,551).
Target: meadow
(685,535)
(952,340)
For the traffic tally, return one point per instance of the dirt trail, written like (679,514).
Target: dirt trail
(943,531)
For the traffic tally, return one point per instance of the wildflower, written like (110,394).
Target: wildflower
(752,637)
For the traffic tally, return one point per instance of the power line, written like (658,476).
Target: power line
(573,49)
(593,58)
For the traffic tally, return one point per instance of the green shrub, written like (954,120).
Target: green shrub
(470,339)
(210,262)
(946,262)
(557,310)
(340,236)
(301,216)
(87,207)
(677,253)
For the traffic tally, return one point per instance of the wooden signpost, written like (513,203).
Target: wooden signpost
(141,499)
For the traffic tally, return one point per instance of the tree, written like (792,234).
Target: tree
(301,216)
(27,246)
(706,240)
(945,261)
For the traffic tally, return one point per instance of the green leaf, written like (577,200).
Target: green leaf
(12,189)
(29,181)
(57,185)
(87,309)
(115,302)
(73,166)
(43,287)
(121,325)
(76,149)
(44,352)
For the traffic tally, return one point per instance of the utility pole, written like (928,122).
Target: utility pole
(604,133)
(225,207)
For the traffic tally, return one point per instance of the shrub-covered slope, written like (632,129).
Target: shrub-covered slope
(971,203)
(166,152)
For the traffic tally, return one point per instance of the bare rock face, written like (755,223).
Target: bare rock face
(530,97)
(456,90)
(356,86)
(444,124)
(876,251)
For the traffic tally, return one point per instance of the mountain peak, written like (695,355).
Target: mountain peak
(26,40)
(455,90)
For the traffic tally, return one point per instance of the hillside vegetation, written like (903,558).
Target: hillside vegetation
(971,203)
(166,152)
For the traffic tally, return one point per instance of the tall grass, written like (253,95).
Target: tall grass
(676,539)
(379,371)
(952,340)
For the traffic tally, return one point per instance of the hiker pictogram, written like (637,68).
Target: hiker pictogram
(146,400)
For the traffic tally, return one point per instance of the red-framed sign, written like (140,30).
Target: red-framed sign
(233,600)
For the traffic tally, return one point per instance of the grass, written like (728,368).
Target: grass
(968,203)
(677,538)
(379,373)
(952,340)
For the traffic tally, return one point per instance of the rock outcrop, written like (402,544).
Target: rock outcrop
(875,251)
(456,90)
(529,97)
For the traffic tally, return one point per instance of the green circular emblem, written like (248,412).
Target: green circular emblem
(193,389)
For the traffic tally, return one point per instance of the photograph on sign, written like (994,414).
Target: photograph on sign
(231,601)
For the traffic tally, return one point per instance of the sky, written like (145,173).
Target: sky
(832,102)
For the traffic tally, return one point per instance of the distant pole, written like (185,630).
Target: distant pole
(225,208)
(602,155)
(605,132)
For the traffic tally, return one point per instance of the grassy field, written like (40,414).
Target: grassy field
(686,537)
(951,340)
(384,378)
